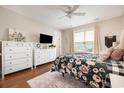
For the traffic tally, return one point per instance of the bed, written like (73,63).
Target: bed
(88,68)
(84,67)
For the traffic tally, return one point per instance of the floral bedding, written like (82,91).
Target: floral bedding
(84,67)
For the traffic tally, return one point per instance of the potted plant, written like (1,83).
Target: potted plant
(52,46)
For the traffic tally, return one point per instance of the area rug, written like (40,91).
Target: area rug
(55,80)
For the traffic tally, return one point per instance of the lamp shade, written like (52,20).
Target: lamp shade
(121,45)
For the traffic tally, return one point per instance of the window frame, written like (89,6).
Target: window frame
(83,30)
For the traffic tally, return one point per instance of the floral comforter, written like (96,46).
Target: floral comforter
(84,67)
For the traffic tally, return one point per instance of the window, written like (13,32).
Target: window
(83,41)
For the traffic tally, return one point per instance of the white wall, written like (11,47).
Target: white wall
(114,25)
(32,28)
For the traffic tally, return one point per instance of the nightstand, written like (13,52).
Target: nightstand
(117,81)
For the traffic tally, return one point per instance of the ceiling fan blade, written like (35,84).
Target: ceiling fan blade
(62,16)
(79,14)
(74,8)
(63,10)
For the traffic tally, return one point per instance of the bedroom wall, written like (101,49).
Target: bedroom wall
(123,21)
(67,44)
(114,25)
(32,28)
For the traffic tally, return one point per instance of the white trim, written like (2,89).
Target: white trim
(84,29)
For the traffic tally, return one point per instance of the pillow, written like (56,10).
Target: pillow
(106,54)
(117,54)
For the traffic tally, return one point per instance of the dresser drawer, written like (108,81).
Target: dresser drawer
(13,44)
(25,44)
(17,49)
(28,45)
(38,56)
(39,61)
(17,67)
(17,56)
(18,61)
(6,44)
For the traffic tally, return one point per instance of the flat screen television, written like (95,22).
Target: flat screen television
(45,38)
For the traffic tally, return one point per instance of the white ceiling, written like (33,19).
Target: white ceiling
(50,14)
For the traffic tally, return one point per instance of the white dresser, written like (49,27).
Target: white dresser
(42,56)
(15,56)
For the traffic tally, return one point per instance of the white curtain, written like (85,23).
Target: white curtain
(71,42)
(67,42)
(121,45)
(97,41)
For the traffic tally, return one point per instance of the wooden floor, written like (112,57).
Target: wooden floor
(19,79)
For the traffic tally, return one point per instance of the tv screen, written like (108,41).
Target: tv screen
(45,38)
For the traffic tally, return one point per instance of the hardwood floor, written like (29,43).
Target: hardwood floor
(19,79)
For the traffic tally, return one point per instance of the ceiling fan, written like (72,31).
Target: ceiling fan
(70,11)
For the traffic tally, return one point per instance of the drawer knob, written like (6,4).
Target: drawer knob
(10,62)
(10,69)
(10,49)
(10,56)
